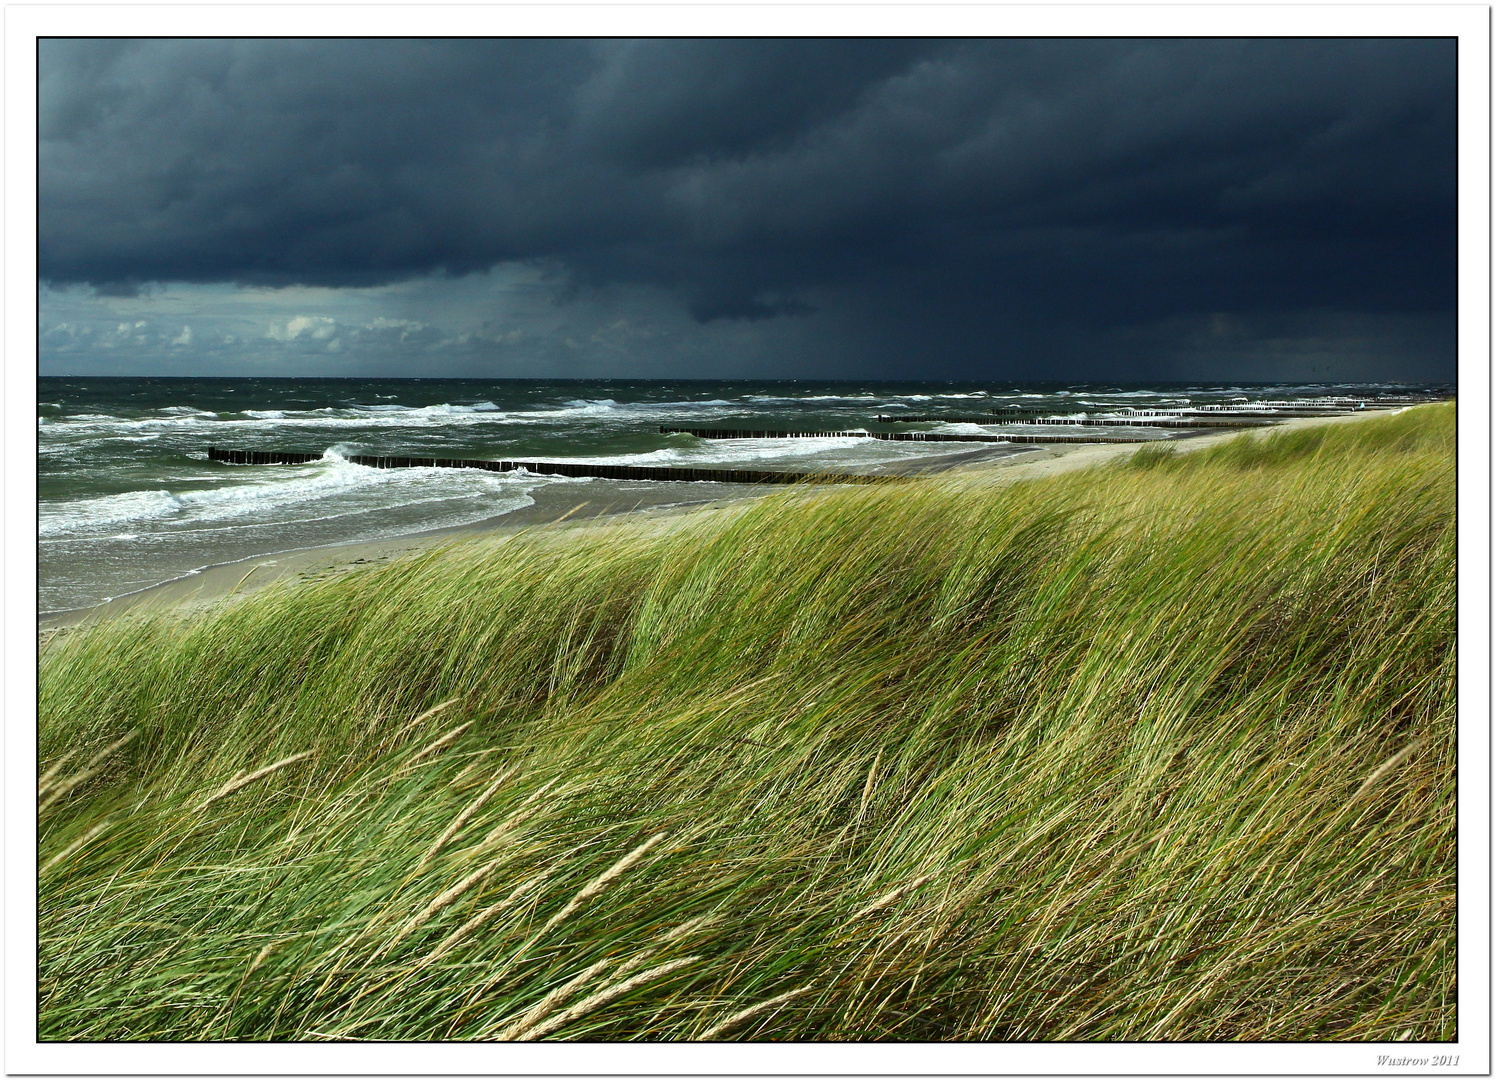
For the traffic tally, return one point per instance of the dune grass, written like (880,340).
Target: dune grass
(1162,750)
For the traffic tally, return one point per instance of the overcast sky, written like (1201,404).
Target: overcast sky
(974,209)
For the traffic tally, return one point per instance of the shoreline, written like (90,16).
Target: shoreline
(563,513)
(1052,461)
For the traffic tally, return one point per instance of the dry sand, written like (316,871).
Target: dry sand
(1060,459)
(566,514)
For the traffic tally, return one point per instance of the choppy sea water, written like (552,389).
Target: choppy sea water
(128,499)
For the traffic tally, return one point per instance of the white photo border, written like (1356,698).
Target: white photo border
(25,23)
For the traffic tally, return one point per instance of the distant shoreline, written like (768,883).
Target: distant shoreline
(244,576)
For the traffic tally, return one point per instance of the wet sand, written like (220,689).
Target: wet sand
(565,509)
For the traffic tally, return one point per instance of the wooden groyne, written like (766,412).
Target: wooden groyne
(1167,421)
(1283,412)
(1352,403)
(759,433)
(1279,408)
(1311,406)
(260,457)
(881,419)
(556,468)
(894,436)
(934,436)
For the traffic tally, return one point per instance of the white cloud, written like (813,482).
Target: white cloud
(513,320)
(184,338)
(318,327)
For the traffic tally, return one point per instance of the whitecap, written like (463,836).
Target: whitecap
(62,518)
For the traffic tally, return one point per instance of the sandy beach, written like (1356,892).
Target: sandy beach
(561,512)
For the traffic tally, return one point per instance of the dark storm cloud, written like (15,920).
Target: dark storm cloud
(957,185)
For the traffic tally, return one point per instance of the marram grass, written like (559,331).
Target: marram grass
(1161,750)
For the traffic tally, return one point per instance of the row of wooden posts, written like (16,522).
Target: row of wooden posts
(1247,415)
(553,468)
(894,436)
(1254,414)
(1091,421)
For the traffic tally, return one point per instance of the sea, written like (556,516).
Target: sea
(128,498)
